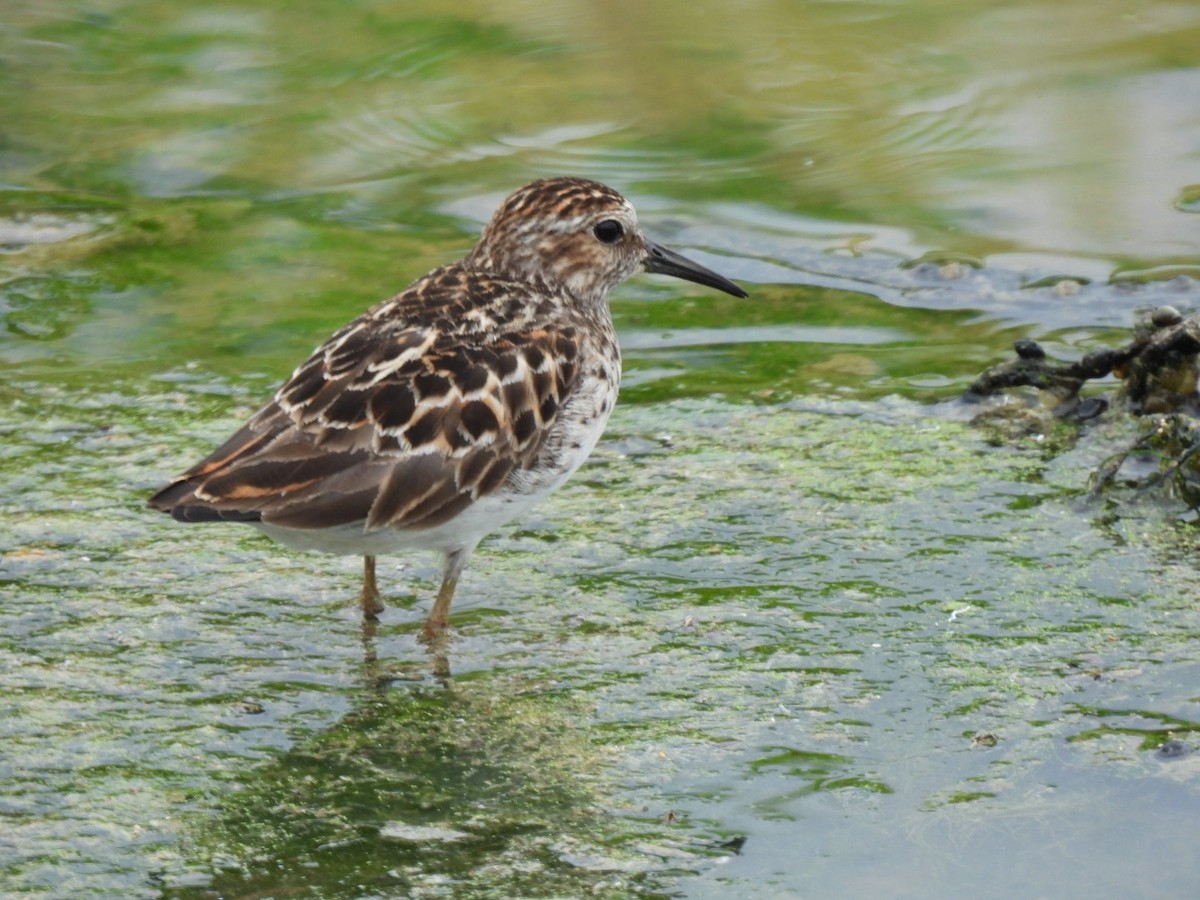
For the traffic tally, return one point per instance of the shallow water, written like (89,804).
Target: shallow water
(796,630)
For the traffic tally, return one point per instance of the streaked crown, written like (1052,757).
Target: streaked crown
(572,233)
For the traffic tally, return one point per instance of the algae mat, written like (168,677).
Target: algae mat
(805,648)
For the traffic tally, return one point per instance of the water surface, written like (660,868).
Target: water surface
(796,630)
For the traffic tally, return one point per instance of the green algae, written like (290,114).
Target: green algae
(737,609)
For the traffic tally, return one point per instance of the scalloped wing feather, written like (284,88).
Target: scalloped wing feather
(393,424)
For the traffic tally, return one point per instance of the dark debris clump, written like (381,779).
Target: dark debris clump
(1159,370)
(1158,367)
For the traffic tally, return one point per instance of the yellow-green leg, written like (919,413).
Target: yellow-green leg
(438,622)
(371,601)
(439,617)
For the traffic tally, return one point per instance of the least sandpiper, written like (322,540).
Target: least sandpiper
(451,408)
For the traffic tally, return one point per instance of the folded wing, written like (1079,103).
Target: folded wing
(402,426)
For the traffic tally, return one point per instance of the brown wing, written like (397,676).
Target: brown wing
(392,422)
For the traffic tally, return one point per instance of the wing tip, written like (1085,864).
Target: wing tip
(178,500)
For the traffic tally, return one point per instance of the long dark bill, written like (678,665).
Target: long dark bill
(662,261)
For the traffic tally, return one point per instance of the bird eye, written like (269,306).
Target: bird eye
(608,232)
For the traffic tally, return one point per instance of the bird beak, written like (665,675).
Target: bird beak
(662,261)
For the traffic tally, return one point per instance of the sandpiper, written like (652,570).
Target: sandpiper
(449,409)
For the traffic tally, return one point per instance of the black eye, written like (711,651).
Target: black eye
(608,232)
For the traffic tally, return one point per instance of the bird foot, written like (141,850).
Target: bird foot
(372,604)
(435,631)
